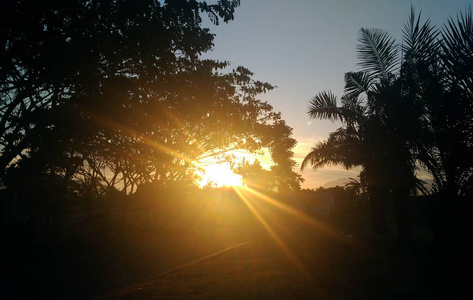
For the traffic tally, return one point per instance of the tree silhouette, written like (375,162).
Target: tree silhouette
(416,113)
(58,52)
(104,96)
(255,176)
(118,90)
(440,75)
(358,143)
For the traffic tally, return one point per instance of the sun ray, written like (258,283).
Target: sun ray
(292,257)
(125,131)
(298,214)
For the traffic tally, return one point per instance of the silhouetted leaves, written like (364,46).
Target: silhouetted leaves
(377,52)
(393,122)
(324,105)
(113,93)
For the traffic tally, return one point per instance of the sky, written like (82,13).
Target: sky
(306,46)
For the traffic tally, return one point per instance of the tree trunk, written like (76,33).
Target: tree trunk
(378,208)
(404,216)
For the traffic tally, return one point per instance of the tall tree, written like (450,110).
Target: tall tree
(438,72)
(415,112)
(366,138)
(358,142)
(443,83)
(118,89)
(88,52)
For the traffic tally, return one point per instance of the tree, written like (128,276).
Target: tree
(54,52)
(89,61)
(275,180)
(416,114)
(439,74)
(104,95)
(444,87)
(255,176)
(373,136)
(358,143)
(117,88)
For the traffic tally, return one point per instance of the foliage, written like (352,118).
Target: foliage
(397,118)
(114,93)
(278,179)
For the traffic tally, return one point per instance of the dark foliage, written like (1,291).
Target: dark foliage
(399,118)
(114,94)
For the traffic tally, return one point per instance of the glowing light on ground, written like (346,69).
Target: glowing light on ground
(298,214)
(291,256)
(220,175)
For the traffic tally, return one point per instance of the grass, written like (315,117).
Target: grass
(214,249)
(298,260)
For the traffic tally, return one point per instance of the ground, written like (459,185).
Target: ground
(224,251)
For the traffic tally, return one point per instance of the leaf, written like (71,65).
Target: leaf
(420,42)
(341,148)
(377,52)
(457,58)
(357,83)
(324,106)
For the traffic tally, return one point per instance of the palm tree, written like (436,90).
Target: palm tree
(444,86)
(397,117)
(440,77)
(381,118)
(401,114)
(356,143)
(364,139)
(450,109)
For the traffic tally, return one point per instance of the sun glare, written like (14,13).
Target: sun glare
(220,175)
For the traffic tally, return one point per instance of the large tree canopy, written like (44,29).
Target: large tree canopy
(114,93)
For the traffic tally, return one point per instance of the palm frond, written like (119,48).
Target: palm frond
(377,52)
(341,148)
(324,106)
(357,83)
(458,34)
(316,158)
(457,58)
(420,41)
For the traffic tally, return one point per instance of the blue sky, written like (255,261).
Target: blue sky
(306,46)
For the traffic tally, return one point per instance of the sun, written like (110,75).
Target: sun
(220,175)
